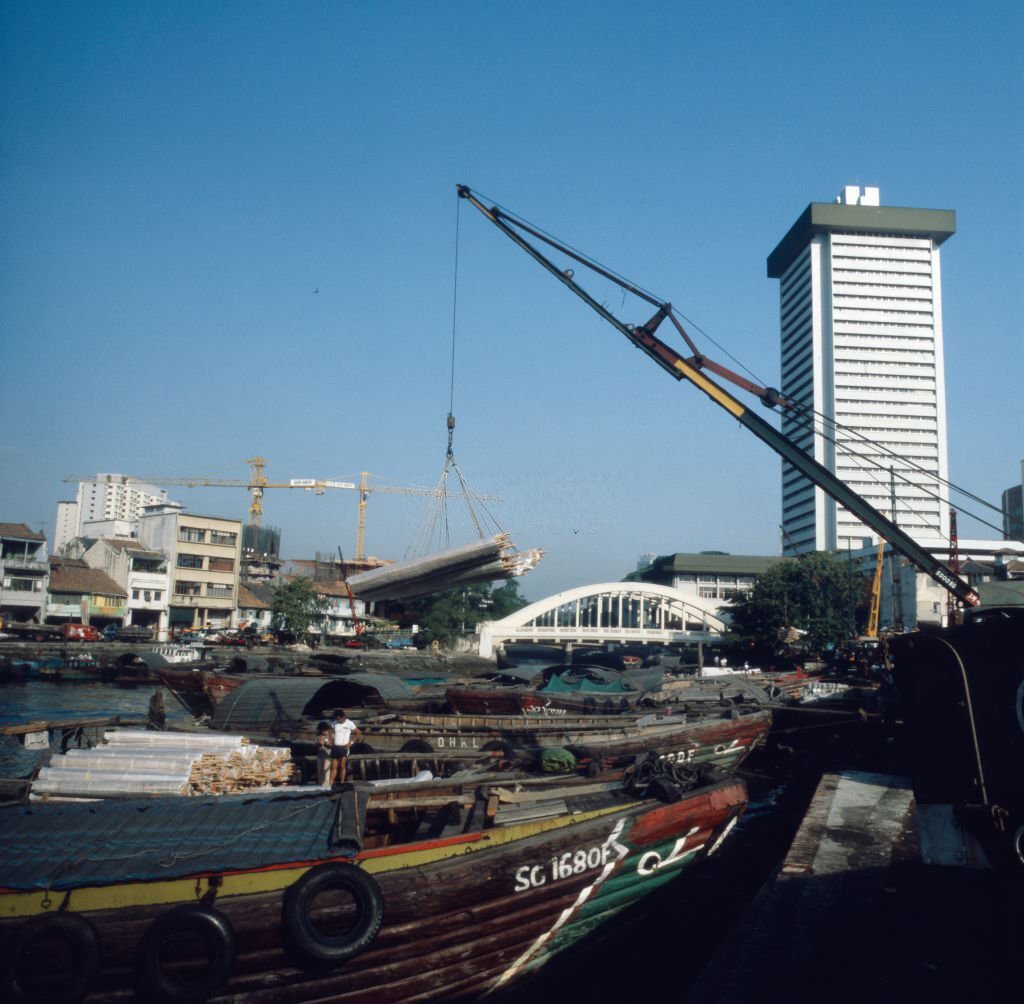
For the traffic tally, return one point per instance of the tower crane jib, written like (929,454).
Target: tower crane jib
(259,481)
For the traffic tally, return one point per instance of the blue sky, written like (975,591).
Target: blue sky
(179,180)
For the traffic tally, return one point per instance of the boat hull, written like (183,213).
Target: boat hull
(460,914)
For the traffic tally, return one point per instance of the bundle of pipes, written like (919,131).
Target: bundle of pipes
(132,763)
(482,561)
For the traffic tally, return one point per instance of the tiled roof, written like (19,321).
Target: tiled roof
(123,544)
(249,599)
(20,531)
(71,576)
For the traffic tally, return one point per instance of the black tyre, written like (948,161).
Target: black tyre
(186,954)
(417,746)
(33,954)
(334,934)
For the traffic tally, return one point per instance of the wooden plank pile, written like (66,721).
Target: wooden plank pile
(481,561)
(134,763)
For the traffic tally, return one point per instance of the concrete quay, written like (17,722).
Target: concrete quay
(853,915)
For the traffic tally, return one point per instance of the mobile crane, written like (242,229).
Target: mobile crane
(961,689)
(695,368)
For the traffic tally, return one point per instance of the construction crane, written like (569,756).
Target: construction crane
(876,592)
(258,482)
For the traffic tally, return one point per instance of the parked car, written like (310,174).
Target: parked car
(80,632)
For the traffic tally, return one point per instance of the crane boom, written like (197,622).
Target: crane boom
(644,338)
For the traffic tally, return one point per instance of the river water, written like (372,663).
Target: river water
(40,700)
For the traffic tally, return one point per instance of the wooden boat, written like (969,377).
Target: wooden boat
(428,891)
(393,718)
(723,736)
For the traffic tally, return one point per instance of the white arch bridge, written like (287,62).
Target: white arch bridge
(637,612)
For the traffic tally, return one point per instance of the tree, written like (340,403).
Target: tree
(297,609)
(505,600)
(821,595)
(455,613)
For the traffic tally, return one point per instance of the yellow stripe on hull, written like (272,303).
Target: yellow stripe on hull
(146,892)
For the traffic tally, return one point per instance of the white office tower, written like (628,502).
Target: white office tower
(861,316)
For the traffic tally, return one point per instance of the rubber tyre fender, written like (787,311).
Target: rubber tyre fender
(417,746)
(216,932)
(314,945)
(84,946)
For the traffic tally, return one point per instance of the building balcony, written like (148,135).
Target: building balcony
(22,564)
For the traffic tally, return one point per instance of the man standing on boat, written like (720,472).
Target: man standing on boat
(345,731)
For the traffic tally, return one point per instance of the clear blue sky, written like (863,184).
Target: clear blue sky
(179,179)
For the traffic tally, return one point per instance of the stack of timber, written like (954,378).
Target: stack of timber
(482,561)
(134,763)
(423,891)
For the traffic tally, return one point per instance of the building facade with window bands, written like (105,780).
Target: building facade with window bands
(204,561)
(860,300)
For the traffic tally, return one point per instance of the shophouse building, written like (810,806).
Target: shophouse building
(24,571)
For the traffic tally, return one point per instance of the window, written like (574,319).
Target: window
(221,565)
(190,561)
(184,588)
(221,537)
(215,589)
(24,585)
(148,595)
(135,594)
(192,534)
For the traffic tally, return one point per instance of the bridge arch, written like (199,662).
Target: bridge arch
(638,612)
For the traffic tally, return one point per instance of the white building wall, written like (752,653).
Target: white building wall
(66,525)
(861,343)
(114,497)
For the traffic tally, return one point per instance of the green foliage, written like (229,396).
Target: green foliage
(505,600)
(297,609)
(820,594)
(456,613)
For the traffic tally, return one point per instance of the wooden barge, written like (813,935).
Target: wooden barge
(413,892)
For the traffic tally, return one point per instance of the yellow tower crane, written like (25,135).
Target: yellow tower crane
(876,592)
(258,482)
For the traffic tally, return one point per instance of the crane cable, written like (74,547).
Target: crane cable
(439,525)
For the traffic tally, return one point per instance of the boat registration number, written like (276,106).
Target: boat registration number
(563,866)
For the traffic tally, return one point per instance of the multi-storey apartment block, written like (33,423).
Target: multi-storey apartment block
(105,497)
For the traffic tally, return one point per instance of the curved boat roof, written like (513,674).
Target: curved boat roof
(266,705)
